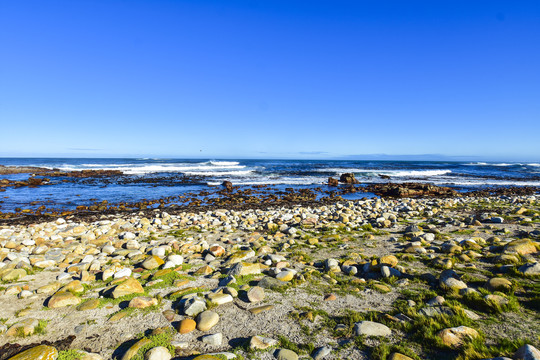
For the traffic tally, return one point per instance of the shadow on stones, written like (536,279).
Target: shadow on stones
(121,350)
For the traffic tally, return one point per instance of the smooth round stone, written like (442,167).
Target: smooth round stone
(108,249)
(13,290)
(41,352)
(27,327)
(527,352)
(152,262)
(454,337)
(186,326)
(130,286)
(220,299)
(158,353)
(61,299)
(169,315)
(176,259)
(214,339)
(88,305)
(159,251)
(371,328)
(206,320)
(63,276)
(499,284)
(286,275)
(14,274)
(321,352)
(121,273)
(141,302)
(286,354)
(25,293)
(436,301)
(255,294)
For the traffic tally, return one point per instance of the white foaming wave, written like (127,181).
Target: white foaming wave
(477,164)
(398,173)
(132,169)
(223,163)
(533,164)
(416,173)
(492,164)
(219,173)
(265,180)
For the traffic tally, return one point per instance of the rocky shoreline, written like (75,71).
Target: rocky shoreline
(381,278)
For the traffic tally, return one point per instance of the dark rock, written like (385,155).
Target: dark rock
(348,178)
(227,185)
(411,190)
(333,182)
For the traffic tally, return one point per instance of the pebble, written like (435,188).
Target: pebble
(186,326)
(206,320)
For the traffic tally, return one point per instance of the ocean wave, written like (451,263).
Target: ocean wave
(399,173)
(265,180)
(416,173)
(223,163)
(493,164)
(132,169)
(219,173)
(533,164)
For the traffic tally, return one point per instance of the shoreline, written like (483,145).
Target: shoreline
(255,197)
(286,278)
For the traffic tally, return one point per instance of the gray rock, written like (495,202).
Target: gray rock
(214,339)
(530,269)
(194,306)
(371,328)
(271,283)
(387,272)
(527,352)
(321,352)
(436,301)
(432,311)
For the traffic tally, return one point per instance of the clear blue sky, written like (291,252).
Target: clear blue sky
(269,78)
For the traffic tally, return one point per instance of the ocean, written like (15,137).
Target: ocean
(152,178)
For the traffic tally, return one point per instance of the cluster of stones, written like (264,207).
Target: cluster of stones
(118,258)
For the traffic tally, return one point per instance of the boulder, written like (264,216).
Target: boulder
(348,178)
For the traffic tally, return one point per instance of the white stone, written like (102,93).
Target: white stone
(158,353)
(122,272)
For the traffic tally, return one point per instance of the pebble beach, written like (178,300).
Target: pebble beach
(431,278)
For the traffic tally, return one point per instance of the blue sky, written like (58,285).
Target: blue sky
(304,79)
